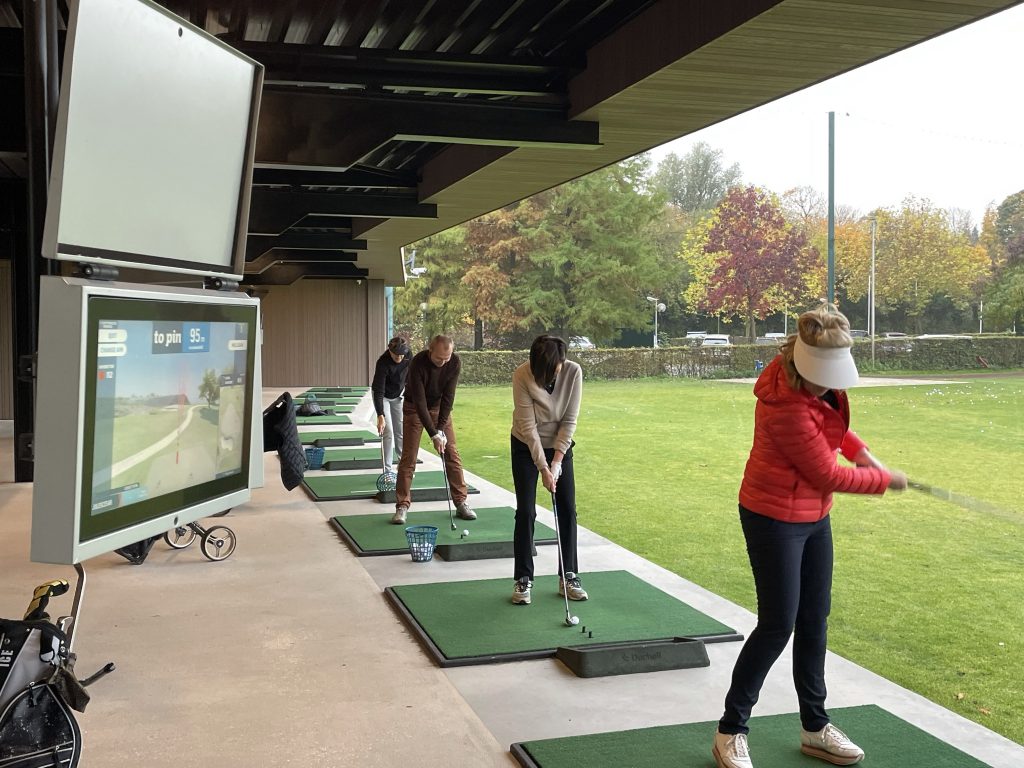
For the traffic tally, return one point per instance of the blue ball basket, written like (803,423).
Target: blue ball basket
(314,458)
(422,539)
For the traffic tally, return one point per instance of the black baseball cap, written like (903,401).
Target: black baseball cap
(398,346)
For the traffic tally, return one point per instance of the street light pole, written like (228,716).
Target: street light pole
(871,291)
(658,307)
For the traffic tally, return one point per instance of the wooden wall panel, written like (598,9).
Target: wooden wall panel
(322,332)
(6,343)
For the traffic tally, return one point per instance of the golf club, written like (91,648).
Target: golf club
(387,481)
(448,490)
(570,620)
(962,500)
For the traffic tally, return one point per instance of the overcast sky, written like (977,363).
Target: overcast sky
(942,120)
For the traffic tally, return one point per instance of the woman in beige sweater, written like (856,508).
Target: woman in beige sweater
(546,392)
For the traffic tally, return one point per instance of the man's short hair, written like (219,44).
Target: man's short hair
(447,341)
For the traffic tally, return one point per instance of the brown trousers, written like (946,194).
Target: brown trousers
(412,430)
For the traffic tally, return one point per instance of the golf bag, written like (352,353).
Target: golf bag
(39,690)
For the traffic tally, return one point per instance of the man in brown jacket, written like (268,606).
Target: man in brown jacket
(429,397)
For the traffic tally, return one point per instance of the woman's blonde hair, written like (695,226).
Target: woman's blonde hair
(824,326)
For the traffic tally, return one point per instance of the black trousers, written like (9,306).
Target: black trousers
(524,475)
(792,564)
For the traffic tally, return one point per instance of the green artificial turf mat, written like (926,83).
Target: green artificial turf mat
(375,535)
(340,419)
(345,487)
(339,436)
(887,741)
(474,622)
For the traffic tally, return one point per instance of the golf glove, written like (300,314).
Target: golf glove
(440,442)
(556,470)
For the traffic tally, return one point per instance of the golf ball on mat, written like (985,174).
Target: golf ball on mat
(465,532)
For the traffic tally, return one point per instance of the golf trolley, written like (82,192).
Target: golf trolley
(38,686)
(217,543)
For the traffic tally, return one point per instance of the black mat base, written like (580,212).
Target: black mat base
(341,465)
(632,657)
(478,550)
(341,442)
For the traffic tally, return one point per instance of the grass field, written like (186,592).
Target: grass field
(926,594)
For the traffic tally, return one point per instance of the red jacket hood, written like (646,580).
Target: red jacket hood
(772,386)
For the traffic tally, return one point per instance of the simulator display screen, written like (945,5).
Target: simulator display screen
(171,404)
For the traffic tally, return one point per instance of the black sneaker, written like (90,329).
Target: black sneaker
(521,592)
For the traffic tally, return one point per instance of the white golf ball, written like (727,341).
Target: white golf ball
(465,532)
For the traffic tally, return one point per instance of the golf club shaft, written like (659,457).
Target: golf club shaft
(963,501)
(561,568)
(448,489)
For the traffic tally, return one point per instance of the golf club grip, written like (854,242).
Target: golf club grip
(41,596)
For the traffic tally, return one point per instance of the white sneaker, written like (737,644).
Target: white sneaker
(730,751)
(571,586)
(400,512)
(521,592)
(830,744)
(464,512)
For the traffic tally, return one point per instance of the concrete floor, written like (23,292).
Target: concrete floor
(287,653)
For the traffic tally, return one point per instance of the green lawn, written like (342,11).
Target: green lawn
(926,594)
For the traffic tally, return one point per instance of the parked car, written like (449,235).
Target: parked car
(859,334)
(716,340)
(894,335)
(581,342)
(775,335)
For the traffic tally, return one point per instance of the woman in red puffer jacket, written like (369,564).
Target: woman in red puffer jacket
(801,422)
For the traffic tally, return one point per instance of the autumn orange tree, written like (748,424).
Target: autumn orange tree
(746,259)
(920,257)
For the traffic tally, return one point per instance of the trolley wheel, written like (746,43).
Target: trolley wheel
(180,537)
(221,514)
(218,543)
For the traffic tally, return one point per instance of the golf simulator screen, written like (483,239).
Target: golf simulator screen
(168,395)
(148,412)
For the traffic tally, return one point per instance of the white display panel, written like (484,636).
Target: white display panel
(154,143)
(148,413)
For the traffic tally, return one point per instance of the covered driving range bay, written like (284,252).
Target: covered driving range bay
(887,741)
(369,535)
(473,622)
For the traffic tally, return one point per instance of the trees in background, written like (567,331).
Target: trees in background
(1002,237)
(747,260)
(578,259)
(581,258)
(695,182)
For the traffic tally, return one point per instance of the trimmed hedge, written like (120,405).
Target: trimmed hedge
(487,367)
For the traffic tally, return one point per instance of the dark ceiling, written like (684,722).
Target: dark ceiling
(383,121)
